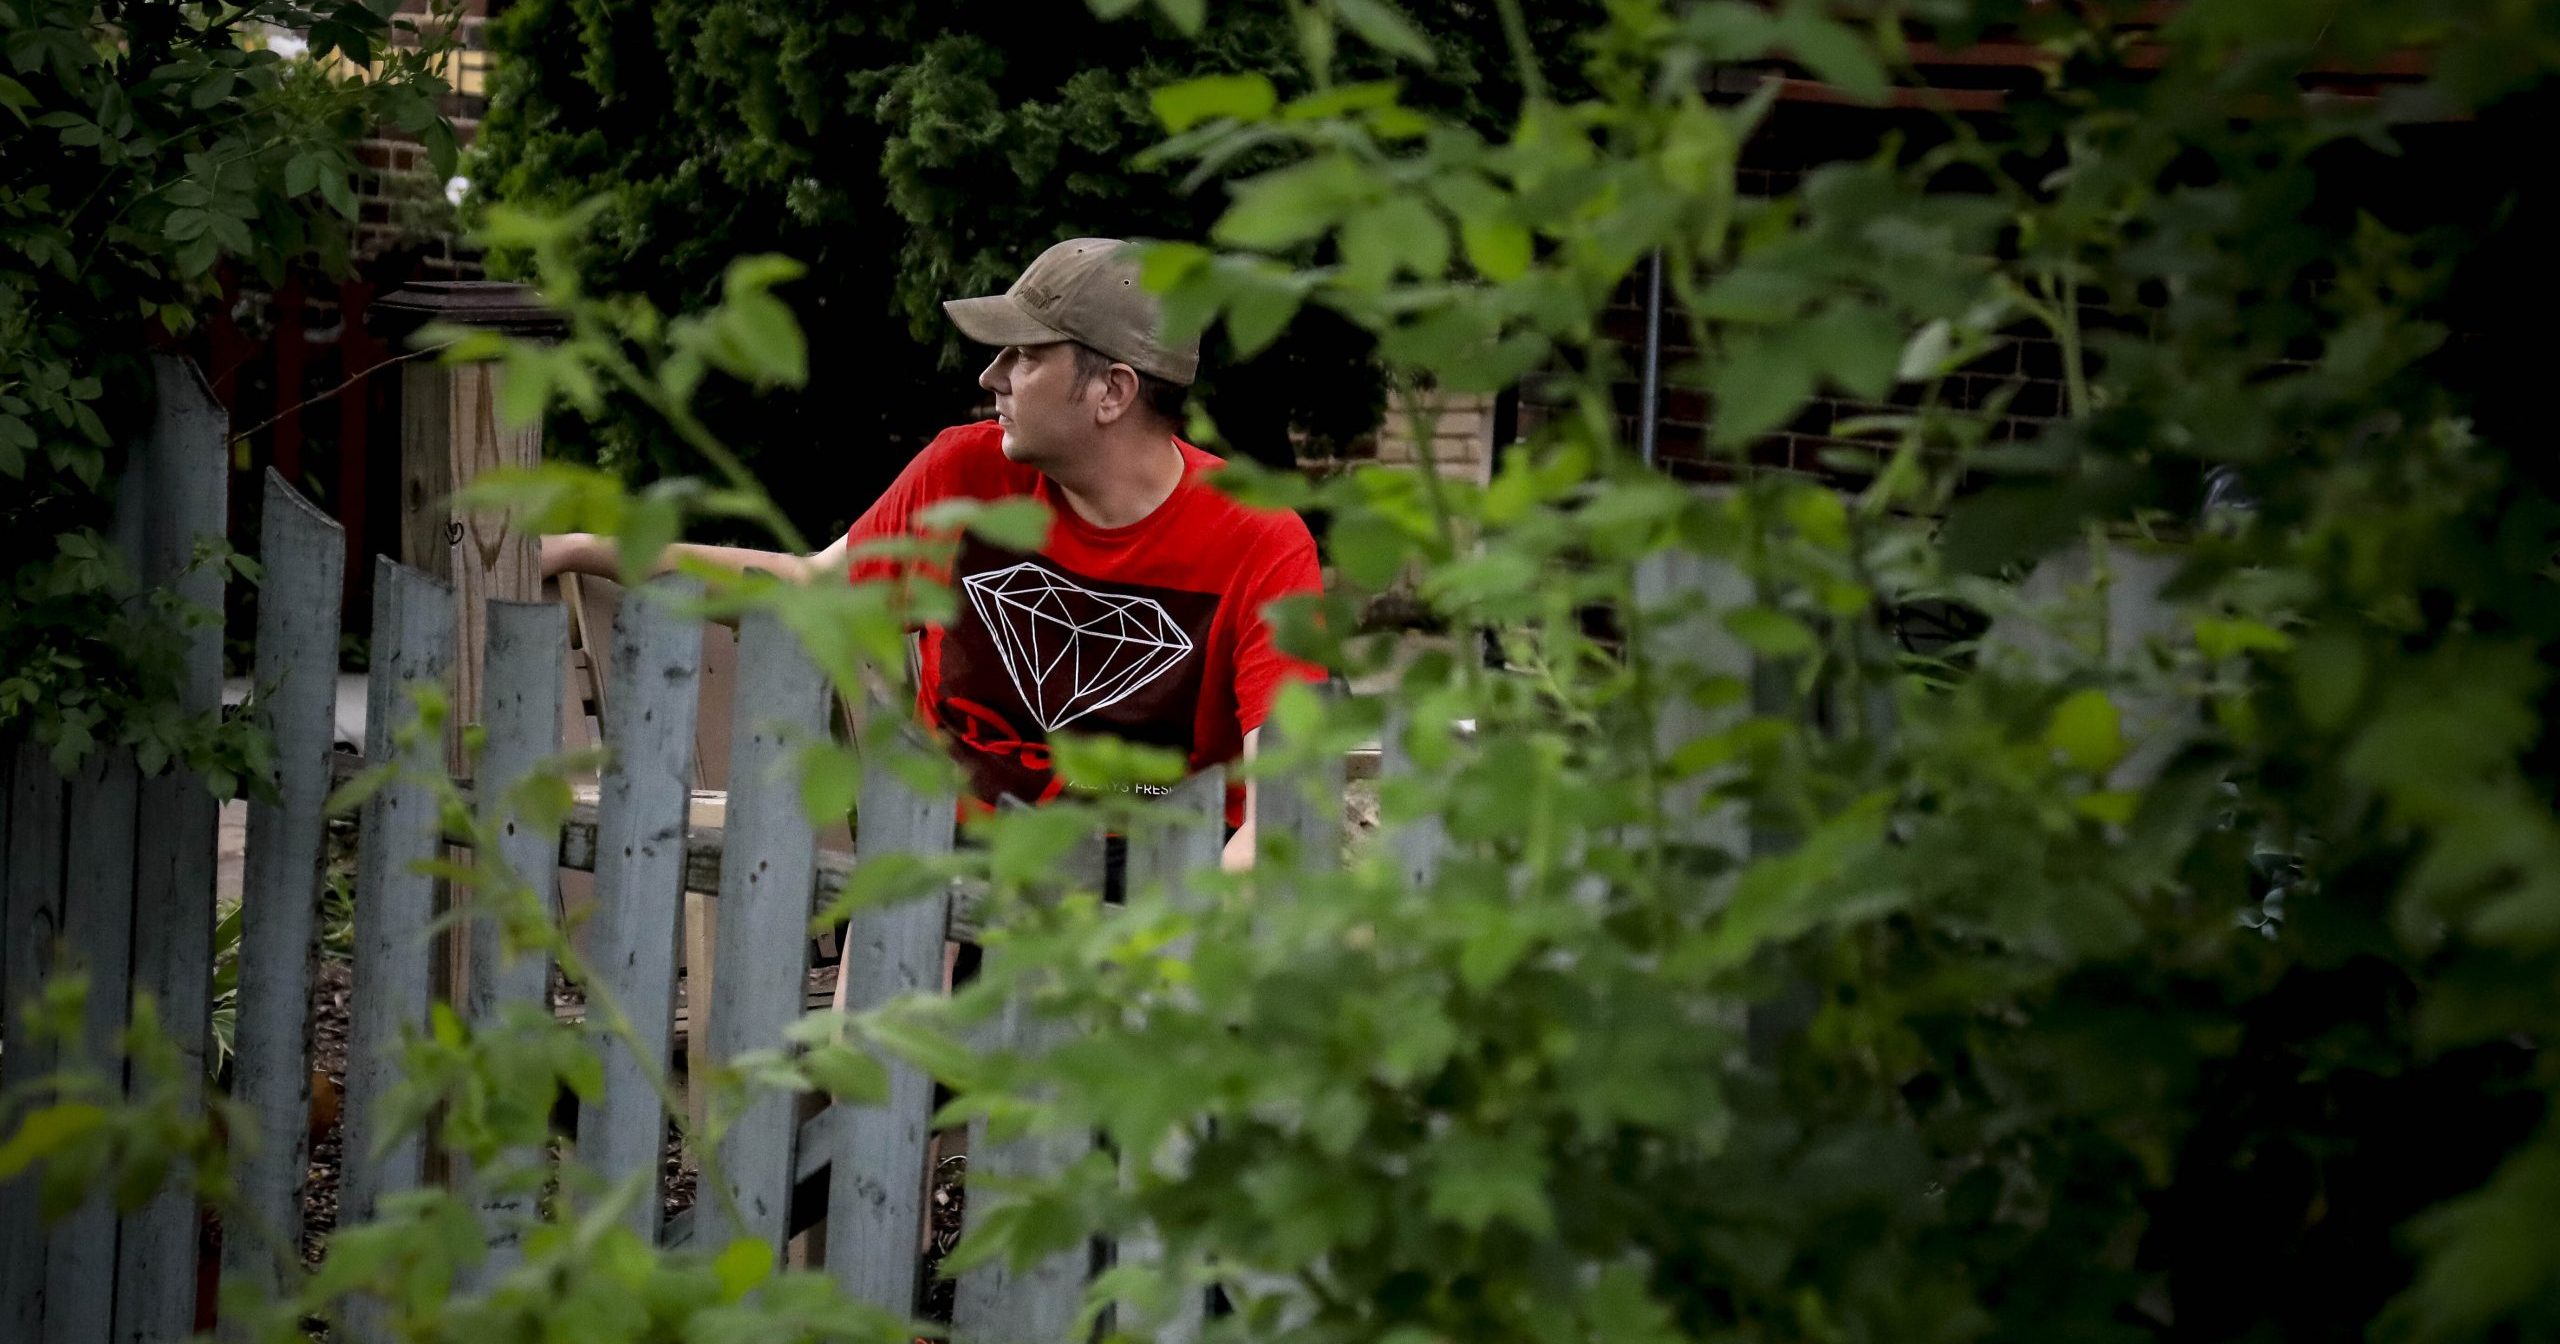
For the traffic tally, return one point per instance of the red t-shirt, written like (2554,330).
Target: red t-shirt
(1151,632)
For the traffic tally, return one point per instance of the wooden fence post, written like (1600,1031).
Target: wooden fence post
(449,438)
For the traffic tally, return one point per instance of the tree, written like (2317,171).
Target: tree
(908,154)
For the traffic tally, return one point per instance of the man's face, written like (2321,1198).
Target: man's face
(1045,414)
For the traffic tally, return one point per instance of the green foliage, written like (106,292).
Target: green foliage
(146,146)
(911,154)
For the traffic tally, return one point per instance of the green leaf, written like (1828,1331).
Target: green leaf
(442,152)
(524,385)
(1857,346)
(1018,524)
(1498,248)
(1699,150)
(211,91)
(1761,384)
(302,174)
(1186,16)
(769,339)
(741,1266)
(1291,205)
(2328,678)
(1258,312)
(1835,53)
(1772,633)
(47,1131)
(1399,234)
(1478,1180)
(905,1033)
(2085,732)
(2113,807)
(2220,637)
(650,524)
(1378,24)
(846,1074)
(1094,761)
(830,780)
(1246,97)
(334,190)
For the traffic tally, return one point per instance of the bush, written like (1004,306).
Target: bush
(147,146)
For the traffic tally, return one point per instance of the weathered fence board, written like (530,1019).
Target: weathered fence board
(180,503)
(876,1178)
(1191,842)
(649,709)
(189,478)
(297,660)
(412,651)
(762,955)
(1418,841)
(33,906)
(1300,814)
(997,1303)
(1684,596)
(528,643)
(97,926)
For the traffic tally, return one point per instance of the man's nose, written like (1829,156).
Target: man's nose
(993,377)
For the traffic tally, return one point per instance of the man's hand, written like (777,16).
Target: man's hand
(1237,857)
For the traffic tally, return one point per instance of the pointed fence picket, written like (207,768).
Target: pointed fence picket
(297,661)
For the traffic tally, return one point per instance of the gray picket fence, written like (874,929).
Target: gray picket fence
(113,873)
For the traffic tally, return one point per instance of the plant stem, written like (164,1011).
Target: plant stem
(1515,31)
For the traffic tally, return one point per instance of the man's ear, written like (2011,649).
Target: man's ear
(1118,395)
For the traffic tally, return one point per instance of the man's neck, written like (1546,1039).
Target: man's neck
(1132,476)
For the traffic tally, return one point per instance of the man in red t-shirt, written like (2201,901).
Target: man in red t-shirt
(1141,616)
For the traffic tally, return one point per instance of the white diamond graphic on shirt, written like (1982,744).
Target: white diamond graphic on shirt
(1069,649)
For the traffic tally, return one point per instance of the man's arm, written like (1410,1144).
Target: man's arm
(587,553)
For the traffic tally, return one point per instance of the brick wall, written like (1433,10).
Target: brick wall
(405,228)
(1462,432)
(1798,137)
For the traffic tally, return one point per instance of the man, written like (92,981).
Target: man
(1141,616)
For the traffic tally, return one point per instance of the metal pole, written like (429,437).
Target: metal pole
(1649,399)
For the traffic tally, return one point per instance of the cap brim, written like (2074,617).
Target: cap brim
(998,320)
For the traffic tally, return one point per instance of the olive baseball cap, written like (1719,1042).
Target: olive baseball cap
(1087,290)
